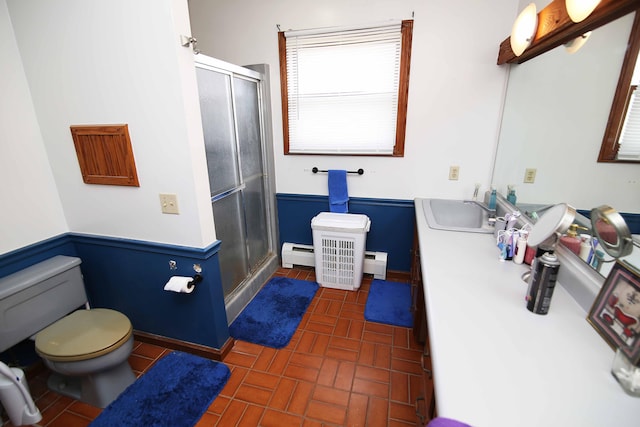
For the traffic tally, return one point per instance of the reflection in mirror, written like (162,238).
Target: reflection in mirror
(555,114)
(607,233)
(621,138)
(611,231)
(590,235)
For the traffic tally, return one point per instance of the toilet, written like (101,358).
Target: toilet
(86,349)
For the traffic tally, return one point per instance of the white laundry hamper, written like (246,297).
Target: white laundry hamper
(339,241)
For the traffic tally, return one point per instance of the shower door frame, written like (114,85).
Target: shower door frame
(258,274)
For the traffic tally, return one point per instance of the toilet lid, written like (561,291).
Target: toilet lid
(84,334)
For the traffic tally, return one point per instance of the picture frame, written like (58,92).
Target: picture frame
(615,313)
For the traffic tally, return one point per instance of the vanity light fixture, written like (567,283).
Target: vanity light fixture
(574,45)
(579,10)
(524,29)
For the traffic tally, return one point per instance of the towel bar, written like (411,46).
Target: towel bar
(359,171)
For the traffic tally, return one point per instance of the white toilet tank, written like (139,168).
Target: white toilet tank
(35,297)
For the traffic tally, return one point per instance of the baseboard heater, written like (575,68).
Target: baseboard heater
(296,254)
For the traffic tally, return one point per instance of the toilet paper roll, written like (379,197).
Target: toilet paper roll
(179,284)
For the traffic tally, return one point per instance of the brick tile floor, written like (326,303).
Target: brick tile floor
(338,370)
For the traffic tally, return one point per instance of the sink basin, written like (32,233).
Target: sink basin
(456,215)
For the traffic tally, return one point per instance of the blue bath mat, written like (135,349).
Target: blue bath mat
(273,315)
(175,392)
(389,303)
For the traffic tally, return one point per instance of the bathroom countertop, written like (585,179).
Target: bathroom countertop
(497,364)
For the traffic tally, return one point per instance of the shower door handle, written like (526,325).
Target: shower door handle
(224,194)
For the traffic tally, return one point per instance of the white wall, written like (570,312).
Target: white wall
(556,111)
(118,61)
(31,210)
(455,92)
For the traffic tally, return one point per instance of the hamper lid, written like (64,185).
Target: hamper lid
(340,222)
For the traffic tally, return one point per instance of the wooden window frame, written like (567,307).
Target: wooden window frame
(403,94)
(610,144)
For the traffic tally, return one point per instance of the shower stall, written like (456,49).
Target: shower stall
(236,124)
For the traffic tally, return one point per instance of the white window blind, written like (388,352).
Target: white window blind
(630,136)
(342,89)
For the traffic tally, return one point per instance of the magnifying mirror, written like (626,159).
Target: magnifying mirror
(554,222)
(612,231)
(545,233)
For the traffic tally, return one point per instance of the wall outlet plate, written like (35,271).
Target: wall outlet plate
(530,175)
(454,173)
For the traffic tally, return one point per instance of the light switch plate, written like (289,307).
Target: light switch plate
(169,203)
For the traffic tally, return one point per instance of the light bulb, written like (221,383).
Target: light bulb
(574,45)
(579,10)
(524,29)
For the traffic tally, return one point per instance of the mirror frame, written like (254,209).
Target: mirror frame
(609,216)
(610,145)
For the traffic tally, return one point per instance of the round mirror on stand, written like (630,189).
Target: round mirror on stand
(544,268)
(611,231)
(551,225)
(547,230)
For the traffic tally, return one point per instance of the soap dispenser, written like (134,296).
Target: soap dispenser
(511,194)
(492,199)
(571,240)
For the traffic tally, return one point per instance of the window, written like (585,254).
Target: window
(344,91)
(621,141)
(629,142)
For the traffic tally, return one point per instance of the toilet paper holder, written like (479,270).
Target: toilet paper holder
(196,279)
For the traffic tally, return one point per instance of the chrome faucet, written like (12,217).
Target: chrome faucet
(475,192)
(481,205)
(491,212)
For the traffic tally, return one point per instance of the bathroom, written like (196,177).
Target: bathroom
(108,64)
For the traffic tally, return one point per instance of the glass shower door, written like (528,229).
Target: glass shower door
(233,143)
(251,165)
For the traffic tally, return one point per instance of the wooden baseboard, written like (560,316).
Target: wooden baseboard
(187,347)
(399,275)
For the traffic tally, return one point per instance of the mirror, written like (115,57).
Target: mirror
(611,231)
(555,221)
(555,114)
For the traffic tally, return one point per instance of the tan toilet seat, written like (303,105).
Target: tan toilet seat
(84,334)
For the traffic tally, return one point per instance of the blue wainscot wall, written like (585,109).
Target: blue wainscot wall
(129,276)
(392,224)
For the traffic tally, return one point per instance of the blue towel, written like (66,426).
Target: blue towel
(338,196)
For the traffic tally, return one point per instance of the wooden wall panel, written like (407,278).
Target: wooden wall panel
(105,154)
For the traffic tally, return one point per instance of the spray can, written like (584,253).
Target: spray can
(542,282)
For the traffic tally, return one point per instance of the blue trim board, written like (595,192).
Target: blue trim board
(129,276)
(392,223)
(24,257)
(163,248)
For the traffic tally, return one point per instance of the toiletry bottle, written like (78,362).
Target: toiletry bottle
(571,240)
(597,258)
(585,247)
(521,249)
(511,195)
(492,199)
(542,282)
